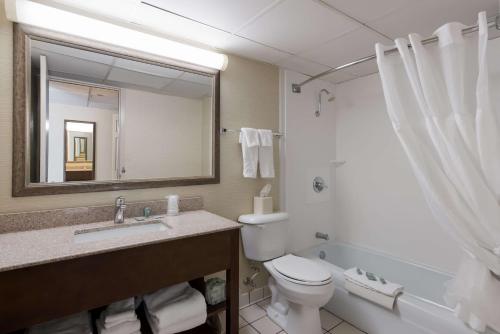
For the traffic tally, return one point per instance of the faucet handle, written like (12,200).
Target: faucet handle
(120,201)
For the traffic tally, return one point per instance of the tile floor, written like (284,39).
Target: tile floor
(254,320)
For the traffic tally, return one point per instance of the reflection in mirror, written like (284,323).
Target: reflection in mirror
(96,116)
(79,140)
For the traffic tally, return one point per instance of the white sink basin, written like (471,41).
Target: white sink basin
(117,231)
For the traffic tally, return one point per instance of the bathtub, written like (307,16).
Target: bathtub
(419,310)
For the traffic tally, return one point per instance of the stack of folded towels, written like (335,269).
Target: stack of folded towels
(79,323)
(371,287)
(119,318)
(175,309)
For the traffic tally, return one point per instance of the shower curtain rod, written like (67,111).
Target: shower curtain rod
(296,88)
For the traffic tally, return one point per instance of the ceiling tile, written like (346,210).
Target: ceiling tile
(367,10)
(349,47)
(365,68)
(64,64)
(297,25)
(302,65)
(338,77)
(44,47)
(137,78)
(147,68)
(188,89)
(249,49)
(223,14)
(197,78)
(436,13)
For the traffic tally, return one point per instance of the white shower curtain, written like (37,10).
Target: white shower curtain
(438,100)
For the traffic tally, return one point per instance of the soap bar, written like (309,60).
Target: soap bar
(262,205)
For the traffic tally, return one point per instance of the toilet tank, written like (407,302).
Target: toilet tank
(263,235)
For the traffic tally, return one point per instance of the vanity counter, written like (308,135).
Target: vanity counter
(29,248)
(46,274)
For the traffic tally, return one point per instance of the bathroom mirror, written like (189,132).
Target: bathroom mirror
(88,118)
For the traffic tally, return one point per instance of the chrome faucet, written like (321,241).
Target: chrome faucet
(323,236)
(120,210)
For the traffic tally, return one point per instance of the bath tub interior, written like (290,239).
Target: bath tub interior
(420,281)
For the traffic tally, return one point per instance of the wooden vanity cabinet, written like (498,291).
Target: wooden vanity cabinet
(42,292)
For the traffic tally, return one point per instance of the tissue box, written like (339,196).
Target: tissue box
(215,291)
(262,205)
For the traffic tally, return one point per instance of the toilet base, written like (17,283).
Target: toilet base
(303,319)
(297,319)
(292,317)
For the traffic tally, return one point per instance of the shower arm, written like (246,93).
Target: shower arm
(318,110)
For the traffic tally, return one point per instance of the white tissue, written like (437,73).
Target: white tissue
(265,191)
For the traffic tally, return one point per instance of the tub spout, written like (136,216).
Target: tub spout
(323,236)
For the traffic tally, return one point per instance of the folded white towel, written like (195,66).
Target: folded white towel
(375,291)
(119,312)
(388,289)
(185,308)
(128,327)
(154,300)
(185,325)
(79,323)
(266,156)
(249,140)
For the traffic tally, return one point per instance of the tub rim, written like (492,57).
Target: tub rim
(340,270)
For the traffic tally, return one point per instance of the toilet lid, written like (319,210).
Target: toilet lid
(301,269)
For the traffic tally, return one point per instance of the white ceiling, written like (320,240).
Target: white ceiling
(308,36)
(91,67)
(83,96)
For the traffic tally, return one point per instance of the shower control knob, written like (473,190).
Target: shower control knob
(319,184)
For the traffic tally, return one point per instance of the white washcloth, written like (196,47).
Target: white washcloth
(249,140)
(173,308)
(79,323)
(128,327)
(118,312)
(389,289)
(266,159)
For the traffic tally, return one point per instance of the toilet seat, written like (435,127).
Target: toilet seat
(301,271)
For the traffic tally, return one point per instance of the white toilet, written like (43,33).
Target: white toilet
(299,286)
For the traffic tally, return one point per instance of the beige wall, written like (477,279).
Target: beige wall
(249,97)
(174,140)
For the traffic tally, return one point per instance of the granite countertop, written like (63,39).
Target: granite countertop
(29,248)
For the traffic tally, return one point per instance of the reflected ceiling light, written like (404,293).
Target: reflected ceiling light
(79,127)
(50,18)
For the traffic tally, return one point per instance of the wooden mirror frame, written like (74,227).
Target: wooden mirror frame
(21,185)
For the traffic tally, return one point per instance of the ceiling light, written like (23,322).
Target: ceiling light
(54,19)
(79,127)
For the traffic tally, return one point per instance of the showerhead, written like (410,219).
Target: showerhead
(318,111)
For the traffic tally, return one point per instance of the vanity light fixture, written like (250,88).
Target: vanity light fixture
(42,16)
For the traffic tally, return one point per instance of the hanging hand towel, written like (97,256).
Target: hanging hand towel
(249,140)
(266,159)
